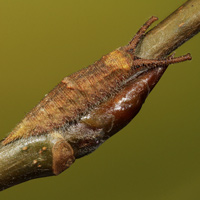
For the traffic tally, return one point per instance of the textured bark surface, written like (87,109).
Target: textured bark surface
(91,105)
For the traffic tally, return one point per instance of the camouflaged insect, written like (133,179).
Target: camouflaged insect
(91,105)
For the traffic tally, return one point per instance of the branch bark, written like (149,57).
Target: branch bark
(172,32)
(50,154)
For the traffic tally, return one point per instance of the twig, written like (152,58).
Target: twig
(40,155)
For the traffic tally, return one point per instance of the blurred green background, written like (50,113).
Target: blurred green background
(156,157)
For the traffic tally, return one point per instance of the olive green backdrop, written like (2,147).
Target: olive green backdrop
(157,156)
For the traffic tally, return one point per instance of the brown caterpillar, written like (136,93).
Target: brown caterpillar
(91,105)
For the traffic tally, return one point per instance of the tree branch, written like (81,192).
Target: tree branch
(172,32)
(40,155)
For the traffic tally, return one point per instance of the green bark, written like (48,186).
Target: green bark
(172,32)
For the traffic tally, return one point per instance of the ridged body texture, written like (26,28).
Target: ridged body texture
(91,105)
(76,95)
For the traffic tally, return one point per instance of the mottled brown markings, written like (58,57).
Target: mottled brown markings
(84,90)
(118,60)
(50,116)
